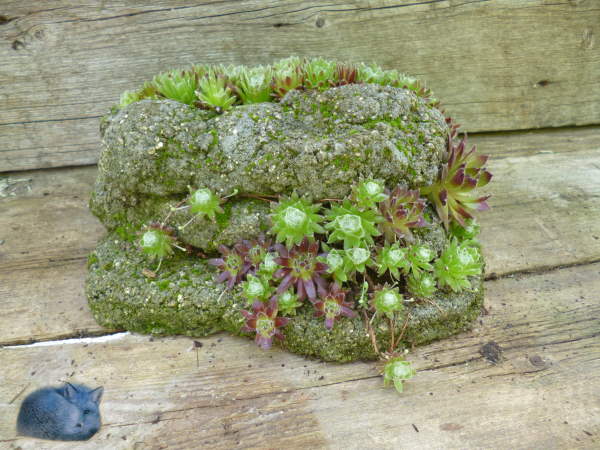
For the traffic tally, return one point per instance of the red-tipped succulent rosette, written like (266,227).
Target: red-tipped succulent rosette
(333,305)
(401,210)
(344,74)
(253,252)
(264,322)
(452,193)
(233,264)
(300,268)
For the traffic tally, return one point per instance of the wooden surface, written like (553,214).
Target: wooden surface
(542,243)
(496,64)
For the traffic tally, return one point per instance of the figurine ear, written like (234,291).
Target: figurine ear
(69,391)
(96,394)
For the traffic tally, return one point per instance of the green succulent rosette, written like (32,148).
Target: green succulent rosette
(393,259)
(396,371)
(295,218)
(456,263)
(356,228)
(388,301)
(204,202)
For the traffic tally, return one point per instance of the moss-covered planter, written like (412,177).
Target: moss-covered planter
(185,299)
(328,128)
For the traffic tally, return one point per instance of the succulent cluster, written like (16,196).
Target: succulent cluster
(219,87)
(339,257)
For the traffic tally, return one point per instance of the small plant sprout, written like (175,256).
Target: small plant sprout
(397,370)
(333,305)
(255,252)
(370,73)
(421,285)
(157,242)
(388,301)
(288,302)
(203,202)
(128,97)
(214,93)
(358,259)
(456,263)
(419,258)
(468,232)
(368,193)
(354,227)
(337,265)
(231,264)
(257,288)
(392,258)
(294,219)
(264,322)
(268,266)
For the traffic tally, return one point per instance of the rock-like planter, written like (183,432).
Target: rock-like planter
(329,134)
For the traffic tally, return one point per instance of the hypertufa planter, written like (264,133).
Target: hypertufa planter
(324,206)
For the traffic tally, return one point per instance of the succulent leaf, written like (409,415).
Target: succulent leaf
(357,259)
(232,264)
(257,288)
(254,85)
(157,243)
(419,258)
(288,303)
(213,91)
(318,73)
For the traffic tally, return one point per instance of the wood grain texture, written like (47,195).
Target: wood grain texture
(544,214)
(541,393)
(496,64)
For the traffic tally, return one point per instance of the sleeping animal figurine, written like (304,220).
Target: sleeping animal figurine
(66,413)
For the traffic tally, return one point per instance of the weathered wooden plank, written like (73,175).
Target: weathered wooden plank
(542,393)
(64,66)
(544,215)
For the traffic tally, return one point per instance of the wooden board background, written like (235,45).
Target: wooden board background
(542,243)
(496,64)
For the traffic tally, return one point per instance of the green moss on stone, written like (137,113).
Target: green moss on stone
(185,299)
